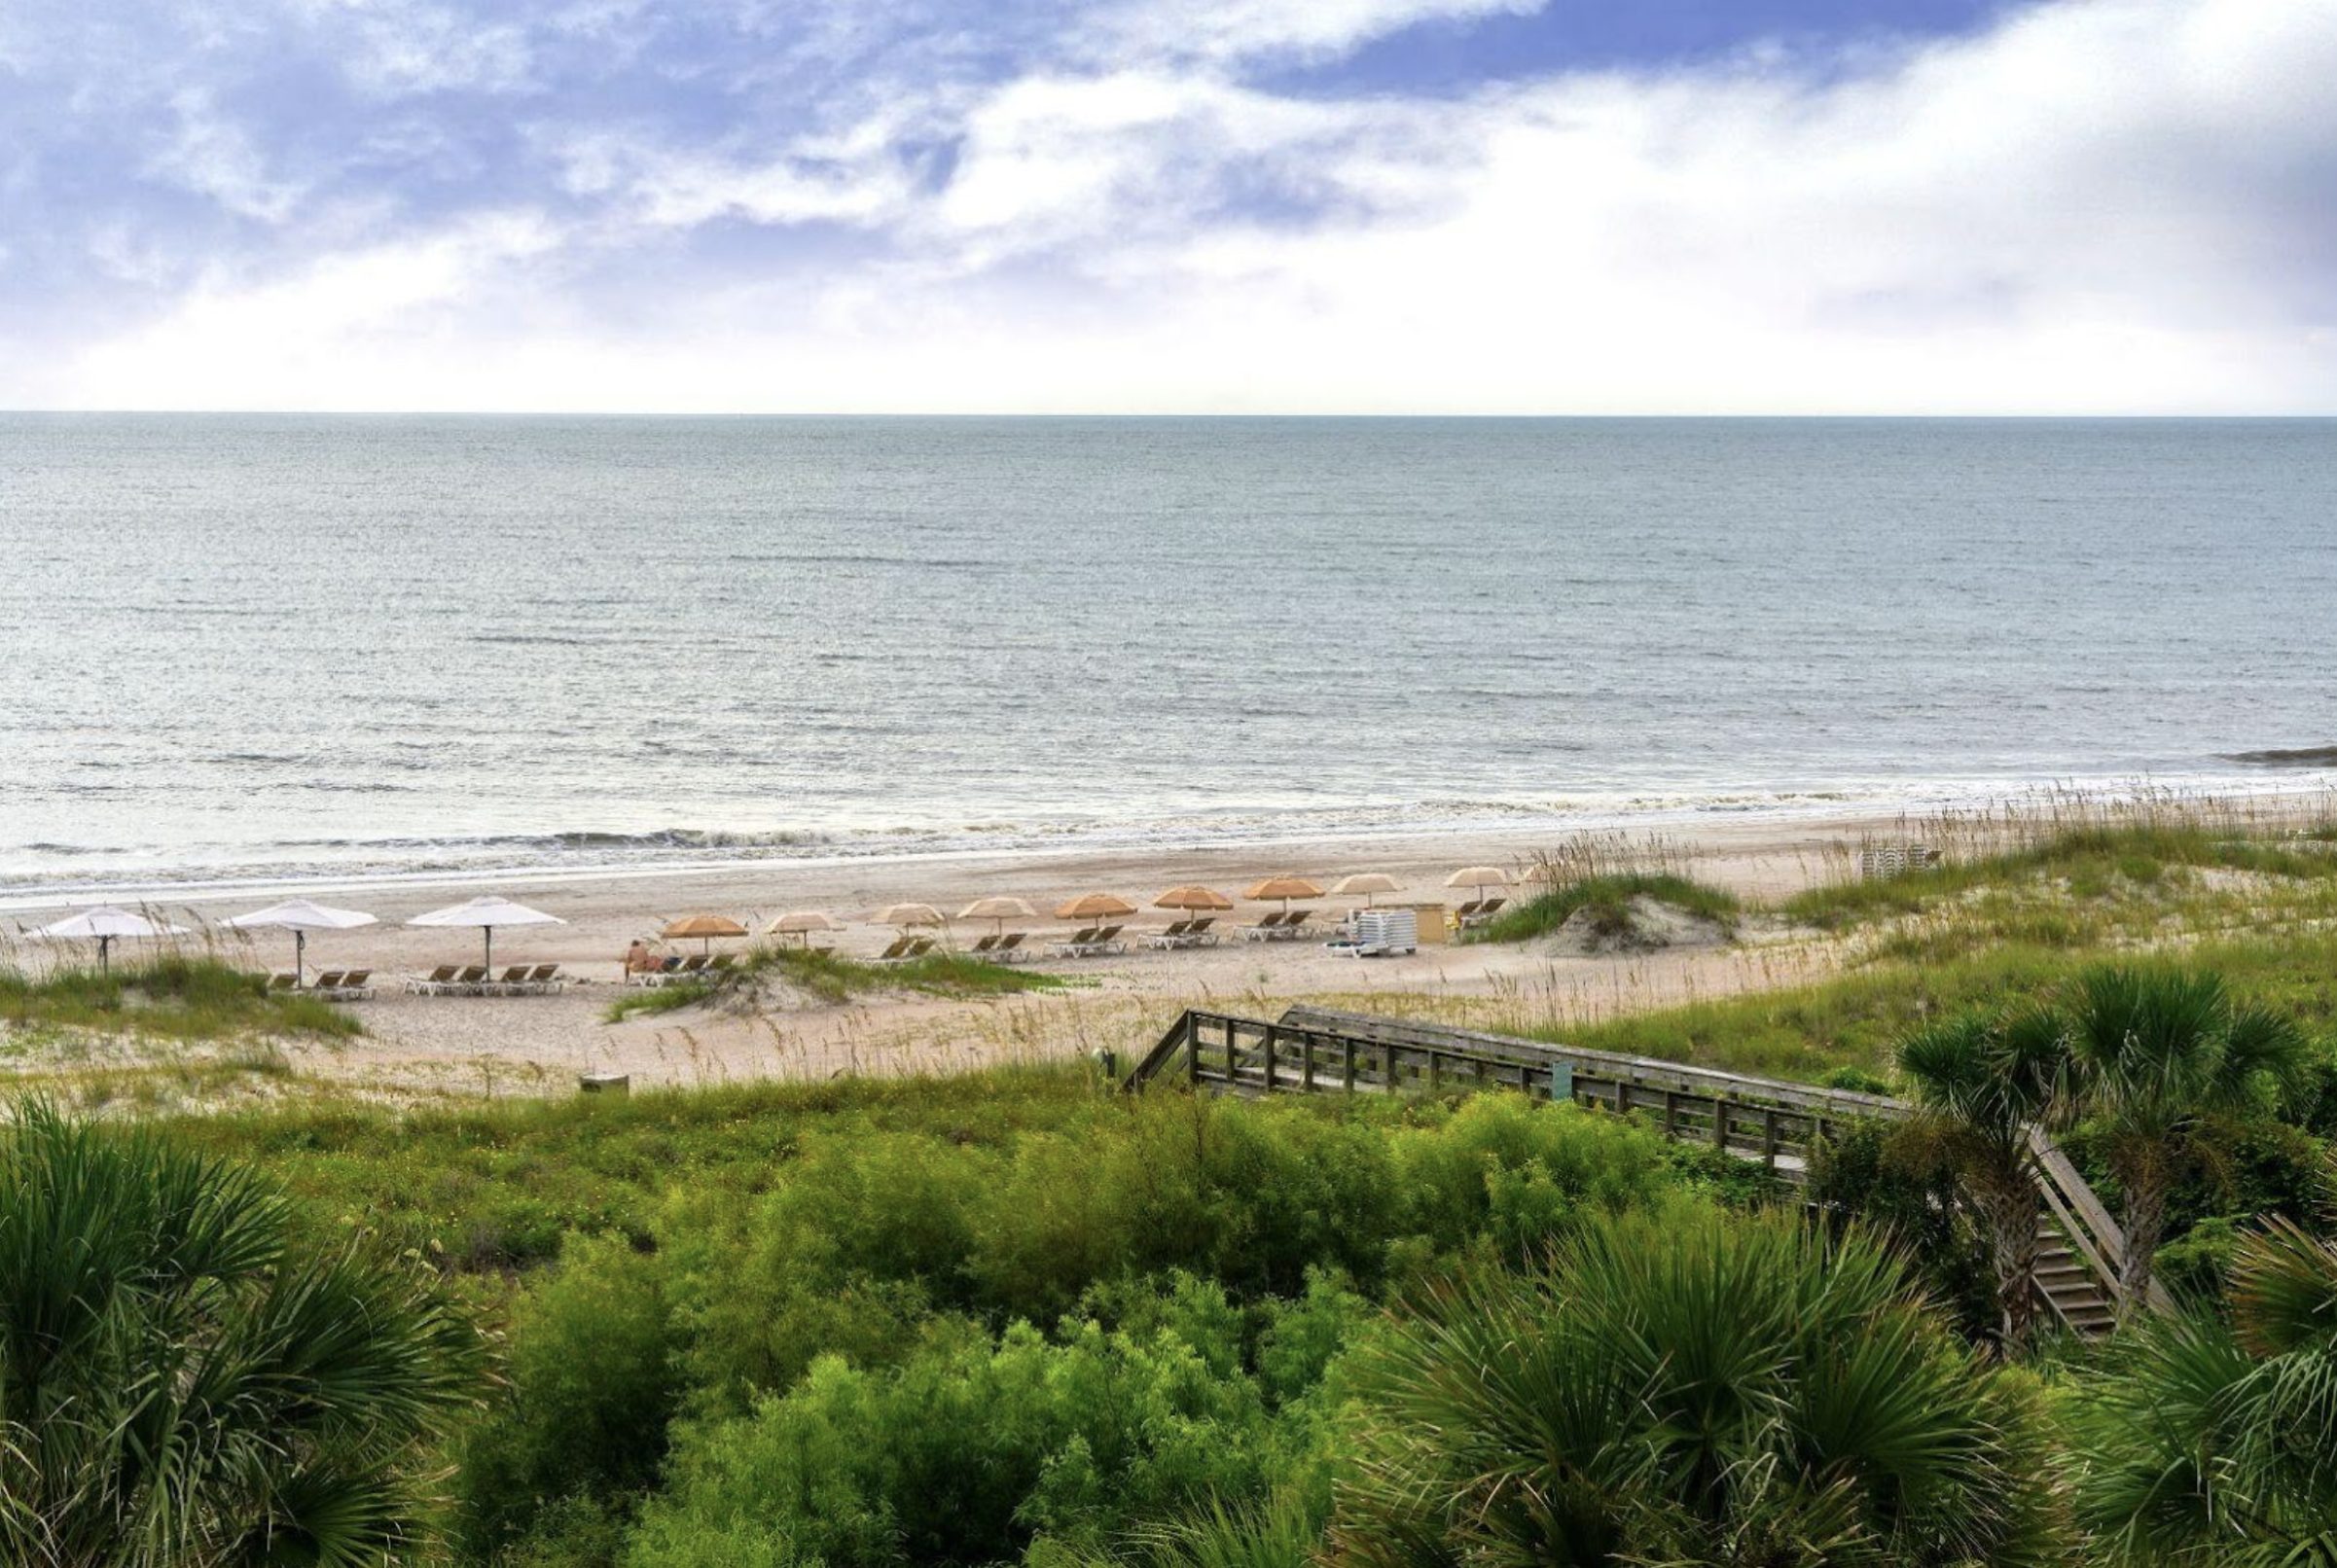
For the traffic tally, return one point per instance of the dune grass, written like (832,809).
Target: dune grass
(170,997)
(1607,897)
(2085,861)
(1852,1022)
(833,978)
(670,997)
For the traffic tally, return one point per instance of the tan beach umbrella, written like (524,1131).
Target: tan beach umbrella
(1193,898)
(704,927)
(1479,877)
(487,912)
(910,914)
(106,925)
(300,916)
(998,911)
(1284,887)
(1366,883)
(1094,907)
(801,923)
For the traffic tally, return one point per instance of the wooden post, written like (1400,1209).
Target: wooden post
(1622,1096)
(1670,1113)
(1720,1122)
(1229,1050)
(1346,1062)
(1434,1076)
(1268,1089)
(1306,1073)
(1769,1136)
(1192,1046)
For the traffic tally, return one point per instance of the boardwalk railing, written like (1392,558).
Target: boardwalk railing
(1777,1123)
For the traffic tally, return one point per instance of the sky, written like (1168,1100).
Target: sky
(1209,206)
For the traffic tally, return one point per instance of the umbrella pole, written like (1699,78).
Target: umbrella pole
(300,959)
(104,945)
(488,960)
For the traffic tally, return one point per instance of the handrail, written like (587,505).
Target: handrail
(1703,1102)
(1653,1070)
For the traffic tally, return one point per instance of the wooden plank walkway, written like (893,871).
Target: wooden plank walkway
(1316,1051)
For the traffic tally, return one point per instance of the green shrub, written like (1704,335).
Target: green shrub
(964,1453)
(592,1381)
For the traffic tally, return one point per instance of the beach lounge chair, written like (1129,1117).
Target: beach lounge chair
(894,954)
(720,962)
(469,981)
(345,985)
(695,964)
(327,979)
(1107,940)
(1266,928)
(983,947)
(1483,912)
(547,978)
(437,981)
(1171,935)
(1466,912)
(1295,922)
(1200,932)
(283,980)
(1010,948)
(1074,945)
(920,948)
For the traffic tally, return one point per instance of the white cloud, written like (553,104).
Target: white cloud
(212,155)
(1231,29)
(2098,205)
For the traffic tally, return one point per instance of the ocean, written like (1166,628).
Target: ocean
(275,648)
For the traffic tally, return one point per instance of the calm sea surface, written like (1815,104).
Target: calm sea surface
(243,647)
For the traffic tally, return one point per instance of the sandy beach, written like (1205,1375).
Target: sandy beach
(1118,1003)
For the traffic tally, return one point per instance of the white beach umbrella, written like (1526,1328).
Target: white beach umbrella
(104,926)
(910,914)
(487,912)
(300,916)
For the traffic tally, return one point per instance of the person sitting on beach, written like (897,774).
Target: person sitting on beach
(639,960)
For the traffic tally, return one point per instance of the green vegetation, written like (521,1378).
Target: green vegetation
(1983,1083)
(2210,1441)
(2069,864)
(1607,897)
(828,978)
(185,1382)
(669,998)
(1693,1390)
(174,998)
(834,978)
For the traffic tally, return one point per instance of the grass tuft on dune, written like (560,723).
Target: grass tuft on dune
(1608,898)
(171,997)
(835,980)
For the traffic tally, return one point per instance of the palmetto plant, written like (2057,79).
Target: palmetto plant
(1690,1390)
(1985,1085)
(183,1383)
(2160,1056)
(2211,1441)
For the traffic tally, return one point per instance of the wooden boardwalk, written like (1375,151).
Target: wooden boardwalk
(1313,1051)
